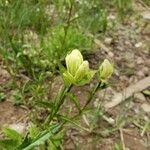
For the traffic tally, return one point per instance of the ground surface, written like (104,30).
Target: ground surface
(130,51)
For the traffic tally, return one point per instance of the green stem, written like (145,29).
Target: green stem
(91,95)
(89,99)
(66,28)
(58,103)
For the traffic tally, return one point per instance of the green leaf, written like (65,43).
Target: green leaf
(146,92)
(12,134)
(70,120)
(87,78)
(118,147)
(62,69)
(8,144)
(68,78)
(55,142)
(2,96)
(27,140)
(33,131)
(75,100)
(42,137)
(49,105)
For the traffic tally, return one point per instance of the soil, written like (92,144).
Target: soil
(130,52)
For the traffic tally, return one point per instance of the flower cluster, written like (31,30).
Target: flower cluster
(79,73)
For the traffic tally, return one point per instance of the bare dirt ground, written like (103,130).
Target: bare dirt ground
(130,51)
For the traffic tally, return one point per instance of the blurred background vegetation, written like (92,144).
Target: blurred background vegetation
(37,34)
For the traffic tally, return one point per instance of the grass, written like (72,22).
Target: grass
(42,30)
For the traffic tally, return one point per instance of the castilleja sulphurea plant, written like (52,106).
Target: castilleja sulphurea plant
(49,133)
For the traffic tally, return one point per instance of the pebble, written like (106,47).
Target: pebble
(148,63)
(139,97)
(146,70)
(146,107)
(19,127)
(139,44)
(146,15)
(108,40)
(4,73)
(110,54)
(140,61)
(140,74)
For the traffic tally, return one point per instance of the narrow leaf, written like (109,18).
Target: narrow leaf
(42,137)
(75,100)
(8,144)
(70,120)
(12,134)
(48,105)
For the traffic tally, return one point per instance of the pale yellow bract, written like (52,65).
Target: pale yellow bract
(105,70)
(78,71)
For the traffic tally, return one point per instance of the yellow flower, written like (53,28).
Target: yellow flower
(78,71)
(105,70)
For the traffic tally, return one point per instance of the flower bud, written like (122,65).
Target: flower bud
(78,71)
(73,61)
(105,70)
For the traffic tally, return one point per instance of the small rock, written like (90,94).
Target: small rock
(146,118)
(108,40)
(148,63)
(146,70)
(137,45)
(136,110)
(140,61)
(105,94)
(139,97)
(111,17)
(140,74)
(133,79)
(3,72)
(146,15)
(146,107)
(129,105)
(20,127)
(110,54)
(127,43)
(120,48)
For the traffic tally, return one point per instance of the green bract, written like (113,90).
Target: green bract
(78,71)
(105,70)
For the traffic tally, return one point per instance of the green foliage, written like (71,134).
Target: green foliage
(56,141)
(146,127)
(12,141)
(20,14)
(35,138)
(118,147)
(92,15)
(147,2)
(123,7)
(58,43)
(41,137)
(16,97)
(36,35)
(2,96)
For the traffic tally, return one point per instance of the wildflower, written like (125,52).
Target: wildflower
(105,70)
(78,71)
